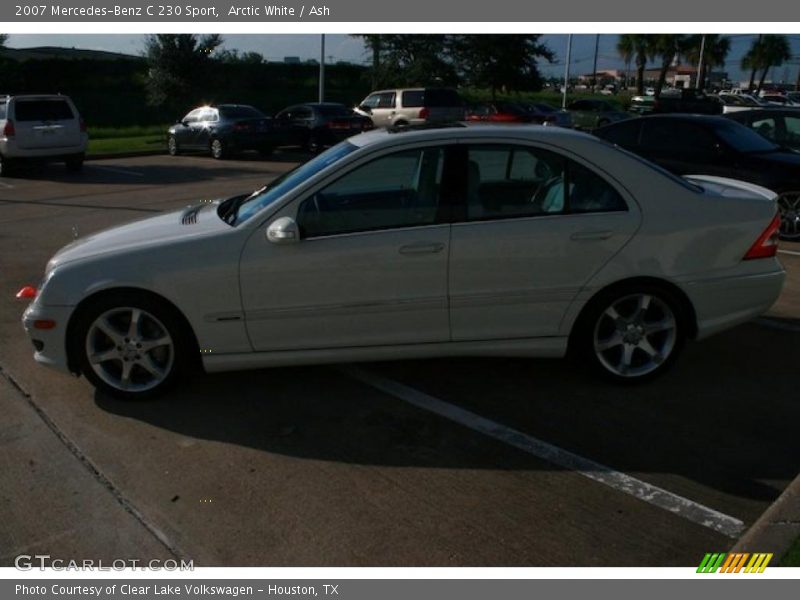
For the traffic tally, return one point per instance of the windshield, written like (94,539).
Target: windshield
(273,191)
(742,138)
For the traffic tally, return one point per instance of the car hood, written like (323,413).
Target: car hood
(194,221)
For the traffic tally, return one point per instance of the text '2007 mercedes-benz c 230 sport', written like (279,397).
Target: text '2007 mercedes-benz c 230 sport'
(456,240)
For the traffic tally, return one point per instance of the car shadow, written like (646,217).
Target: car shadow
(724,417)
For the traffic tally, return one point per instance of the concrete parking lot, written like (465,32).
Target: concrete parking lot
(439,462)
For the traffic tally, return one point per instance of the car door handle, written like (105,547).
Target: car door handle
(587,236)
(422,248)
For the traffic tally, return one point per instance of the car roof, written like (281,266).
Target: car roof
(467,131)
(693,118)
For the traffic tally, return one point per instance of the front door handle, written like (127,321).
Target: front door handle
(581,236)
(421,248)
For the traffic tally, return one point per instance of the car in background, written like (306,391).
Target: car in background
(317,125)
(717,146)
(499,112)
(779,125)
(42,128)
(686,100)
(521,241)
(732,103)
(412,106)
(224,130)
(779,100)
(794,97)
(642,105)
(590,114)
(544,113)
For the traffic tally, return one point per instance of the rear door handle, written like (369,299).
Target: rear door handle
(581,236)
(421,248)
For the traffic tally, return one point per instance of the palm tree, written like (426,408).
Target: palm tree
(766,52)
(666,47)
(715,52)
(634,47)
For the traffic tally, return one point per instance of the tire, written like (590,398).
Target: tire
(132,361)
(611,334)
(6,166)
(219,149)
(789,208)
(172,146)
(400,125)
(74,163)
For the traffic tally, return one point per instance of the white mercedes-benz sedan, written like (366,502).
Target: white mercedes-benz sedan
(449,241)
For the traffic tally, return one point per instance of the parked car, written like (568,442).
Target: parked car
(780,125)
(499,112)
(413,106)
(40,128)
(224,130)
(719,146)
(739,102)
(686,101)
(590,114)
(544,113)
(317,125)
(779,100)
(450,241)
(642,105)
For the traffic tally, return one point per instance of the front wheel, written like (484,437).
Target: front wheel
(631,334)
(219,149)
(789,208)
(131,348)
(172,146)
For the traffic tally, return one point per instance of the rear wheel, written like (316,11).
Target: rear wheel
(219,149)
(5,166)
(789,207)
(74,163)
(631,333)
(132,347)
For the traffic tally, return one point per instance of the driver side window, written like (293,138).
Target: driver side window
(513,181)
(398,190)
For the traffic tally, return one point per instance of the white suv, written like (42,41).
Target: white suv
(42,127)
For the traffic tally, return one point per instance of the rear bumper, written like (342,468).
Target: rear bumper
(723,303)
(52,347)
(10,149)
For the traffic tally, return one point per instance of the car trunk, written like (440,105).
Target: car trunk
(45,124)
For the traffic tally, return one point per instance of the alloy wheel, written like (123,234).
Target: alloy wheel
(789,207)
(130,349)
(635,335)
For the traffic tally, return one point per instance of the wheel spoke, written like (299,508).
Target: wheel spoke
(133,328)
(148,364)
(108,330)
(627,358)
(658,326)
(612,313)
(125,380)
(104,356)
(610,342)
(642,306)
(645,346)
(148,345)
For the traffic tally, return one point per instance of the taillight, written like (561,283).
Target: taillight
(83,125)
(766,246)
(8,130)
(241,127)
(424,112)
(27,293)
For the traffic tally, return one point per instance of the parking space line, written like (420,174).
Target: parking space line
(677,505)
(120,171)
(8,186)
(792,252)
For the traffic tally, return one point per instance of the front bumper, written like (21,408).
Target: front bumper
(50,345)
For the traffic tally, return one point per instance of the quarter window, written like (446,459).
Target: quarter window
(399,190)
(766,127)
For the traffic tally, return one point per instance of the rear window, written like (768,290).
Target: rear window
(334,111)
(624,134)
(43,110)
(433,98)
(240,112)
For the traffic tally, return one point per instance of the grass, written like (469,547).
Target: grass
(121,145)
(792,557)
(131,131)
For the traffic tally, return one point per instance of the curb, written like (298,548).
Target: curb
(125,154)
(777,529)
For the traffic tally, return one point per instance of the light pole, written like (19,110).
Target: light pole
(566,72)
(699,83)
(322,68)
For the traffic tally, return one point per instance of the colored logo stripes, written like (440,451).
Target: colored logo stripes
(735,562)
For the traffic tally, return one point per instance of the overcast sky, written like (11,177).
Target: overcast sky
(343,47)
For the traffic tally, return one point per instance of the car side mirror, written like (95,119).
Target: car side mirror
(283,230)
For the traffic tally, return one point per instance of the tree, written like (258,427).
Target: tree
(715,51)
(374,42)
(415,59)
(177,67)
(666,47)
(3,39)
(499,61)
(635,47)
(766,52)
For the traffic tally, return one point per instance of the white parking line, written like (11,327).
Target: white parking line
(792,252)
(121,171)
(8,186)
(678,505)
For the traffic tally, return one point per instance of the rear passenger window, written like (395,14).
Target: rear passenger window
(766,127)
(516,181)
(413,99)
(43,110)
